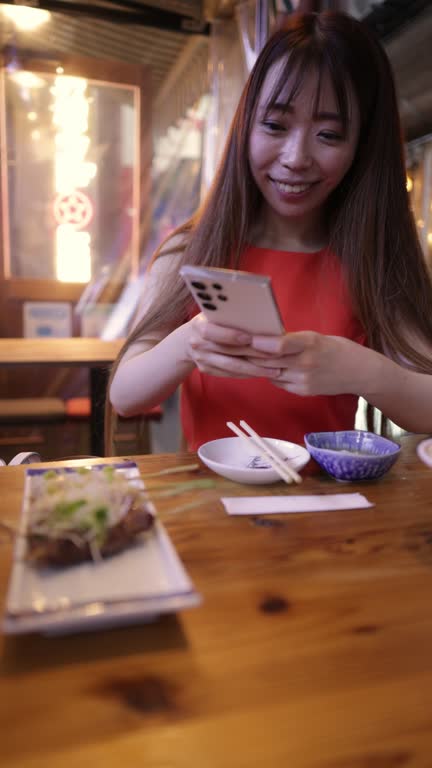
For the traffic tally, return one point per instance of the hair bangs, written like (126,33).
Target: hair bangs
(292,74)
(298,64)
(340,84)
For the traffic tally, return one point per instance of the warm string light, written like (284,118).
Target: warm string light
(26,80)
(420,222)
(25,17)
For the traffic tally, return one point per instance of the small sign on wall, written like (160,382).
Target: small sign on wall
(94,318)
(47,319)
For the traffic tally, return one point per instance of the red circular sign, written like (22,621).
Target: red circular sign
(75,209)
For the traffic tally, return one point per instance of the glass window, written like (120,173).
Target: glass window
(71,186)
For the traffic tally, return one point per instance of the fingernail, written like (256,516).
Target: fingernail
(264,345)
(243,338)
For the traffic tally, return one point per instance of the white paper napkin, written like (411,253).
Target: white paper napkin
(270,505)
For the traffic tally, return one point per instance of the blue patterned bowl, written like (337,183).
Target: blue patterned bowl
(352,454)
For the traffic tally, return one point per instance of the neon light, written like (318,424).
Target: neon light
(73,255)
(73,209)
(70,116)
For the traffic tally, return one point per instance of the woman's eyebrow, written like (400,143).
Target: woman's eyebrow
(335,116)
(280,106)
(285,108)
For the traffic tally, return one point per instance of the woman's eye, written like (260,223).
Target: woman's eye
(272,125)
(330,136)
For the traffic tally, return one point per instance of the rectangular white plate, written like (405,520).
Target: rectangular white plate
(136,585)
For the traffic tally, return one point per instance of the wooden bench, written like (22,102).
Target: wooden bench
(27,423)
(33,423)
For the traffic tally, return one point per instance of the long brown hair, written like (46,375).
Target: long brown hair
(371,227)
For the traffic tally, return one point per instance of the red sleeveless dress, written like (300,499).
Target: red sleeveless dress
(312,296)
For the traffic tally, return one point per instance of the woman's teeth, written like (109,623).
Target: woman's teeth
(292,188)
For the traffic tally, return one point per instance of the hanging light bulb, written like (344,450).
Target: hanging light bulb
(409,183)
(26,79)
(25,17)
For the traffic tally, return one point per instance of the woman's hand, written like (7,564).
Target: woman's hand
(221,351)
(314,364)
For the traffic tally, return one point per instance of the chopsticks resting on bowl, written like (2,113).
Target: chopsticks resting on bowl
(257,444)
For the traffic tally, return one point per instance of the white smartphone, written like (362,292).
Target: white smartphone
(235,299)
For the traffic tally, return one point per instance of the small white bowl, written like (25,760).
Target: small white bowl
(424,451)
(231,458)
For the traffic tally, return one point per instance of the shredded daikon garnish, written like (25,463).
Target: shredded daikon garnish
(86,503)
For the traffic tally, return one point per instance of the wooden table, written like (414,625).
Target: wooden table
(312,648)
(94,354)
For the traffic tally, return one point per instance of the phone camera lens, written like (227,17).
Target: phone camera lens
(217,287)
(203,295)
(200,286)
(221,297)
(207,305)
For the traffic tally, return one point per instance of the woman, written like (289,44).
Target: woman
(311,191)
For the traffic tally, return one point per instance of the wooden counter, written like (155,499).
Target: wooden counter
(312,648)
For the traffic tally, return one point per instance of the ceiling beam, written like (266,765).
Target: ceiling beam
(388,18)
(148,16)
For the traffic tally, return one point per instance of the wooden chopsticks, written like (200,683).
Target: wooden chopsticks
(258,445)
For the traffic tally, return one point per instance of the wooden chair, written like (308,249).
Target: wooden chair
(131,435)
(25,457)
(27,424)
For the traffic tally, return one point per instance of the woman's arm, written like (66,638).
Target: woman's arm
(403,395)
(313,364)
(153,367)
(149,372)
(406,396)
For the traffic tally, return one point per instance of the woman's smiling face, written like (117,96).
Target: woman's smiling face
(300,152)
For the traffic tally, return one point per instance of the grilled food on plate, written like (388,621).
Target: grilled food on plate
(87,514)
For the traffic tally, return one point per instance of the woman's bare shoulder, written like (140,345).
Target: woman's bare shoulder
(162,268)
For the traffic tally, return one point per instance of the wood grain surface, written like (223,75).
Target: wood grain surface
(312,647)
(70,351)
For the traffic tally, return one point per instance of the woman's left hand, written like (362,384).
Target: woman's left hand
(314,364)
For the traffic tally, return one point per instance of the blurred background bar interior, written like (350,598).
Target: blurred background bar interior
(112,119)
